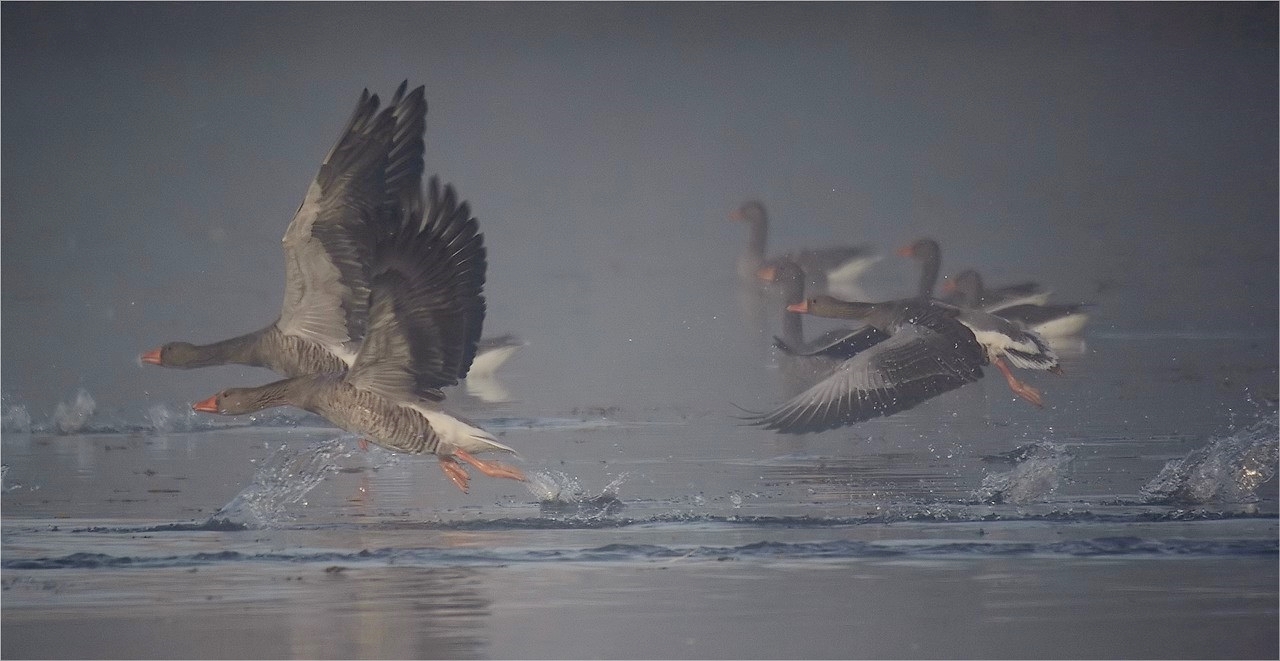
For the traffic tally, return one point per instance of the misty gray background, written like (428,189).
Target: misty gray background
(154,153)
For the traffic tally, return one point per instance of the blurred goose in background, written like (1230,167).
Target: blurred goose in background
(481,382)
(918,350)
(1002,339)
(1049,320)
(966,289)
(929,254)
(833,270)
(373,173)
(426,309)
(803,361)
(492,352)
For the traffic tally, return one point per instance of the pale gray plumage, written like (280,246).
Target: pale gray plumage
(426,312)
(372,173)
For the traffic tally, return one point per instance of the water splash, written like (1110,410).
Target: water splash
(1227,469)
(562,496)
(284,480)
(15,419)
(165,420)
(71,418)
(1036,474)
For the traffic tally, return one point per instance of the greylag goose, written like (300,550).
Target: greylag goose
(966,289)
(375,165)
(426,309)
(376,161)
(1002,339)
(1049,320)
(929,254)
(924,352)
(833,270)
(492,353)
(804,360)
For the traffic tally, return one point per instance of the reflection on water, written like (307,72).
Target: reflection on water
(1137,515)
(395,613)
(255,612)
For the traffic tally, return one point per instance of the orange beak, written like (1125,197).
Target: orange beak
(152,357)
(206,406)
(802,306)
(767,273)
(906,251)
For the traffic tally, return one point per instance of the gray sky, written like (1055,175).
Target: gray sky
(154,153)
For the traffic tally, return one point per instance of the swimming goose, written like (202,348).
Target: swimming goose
(966,289)
(805,361)
(376,161)
(929,254)
(833,270)
(426,309)
(1049,320)
(924,352)
(1001,338)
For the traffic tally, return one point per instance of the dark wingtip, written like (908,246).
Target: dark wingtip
(756,417)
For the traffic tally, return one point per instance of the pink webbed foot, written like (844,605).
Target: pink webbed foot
(491,468)
(455,473)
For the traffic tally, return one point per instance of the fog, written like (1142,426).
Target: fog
(154,153)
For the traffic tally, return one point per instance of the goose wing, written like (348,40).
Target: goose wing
(838,343)
(375,165)
(426,305)
(924,358)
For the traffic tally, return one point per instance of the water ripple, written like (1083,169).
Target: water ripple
(764,550)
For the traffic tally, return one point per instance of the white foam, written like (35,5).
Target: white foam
(71,418)
(1034,478)
(1227,469)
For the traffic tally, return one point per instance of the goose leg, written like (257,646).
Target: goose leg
(454,472)
(1019,388)
(363,444)
(491,468)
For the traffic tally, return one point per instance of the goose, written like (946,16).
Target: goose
(426,308)
(990,300)
(1023,347)
(481,381)
(805,361)
(921,351)
(377,162)
(929,254)
(492,352)
(833,270)
(1049,320)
